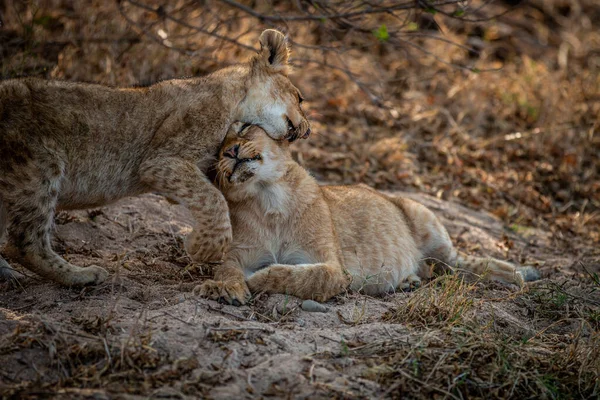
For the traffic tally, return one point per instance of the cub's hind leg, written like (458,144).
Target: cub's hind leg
(30,206)
(435,245)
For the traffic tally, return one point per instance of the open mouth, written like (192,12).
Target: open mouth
(293,133)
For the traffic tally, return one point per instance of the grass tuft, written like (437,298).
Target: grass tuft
(445,301)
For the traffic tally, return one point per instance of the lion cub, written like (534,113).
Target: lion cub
(70,145)
(291,235)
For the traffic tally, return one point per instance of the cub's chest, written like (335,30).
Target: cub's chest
(277,253)
(270,244)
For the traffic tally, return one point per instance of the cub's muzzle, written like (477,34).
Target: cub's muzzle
(302,131)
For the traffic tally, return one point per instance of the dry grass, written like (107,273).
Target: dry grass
(463,363)
(460,354)
(445,301)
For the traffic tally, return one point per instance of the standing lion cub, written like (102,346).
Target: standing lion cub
(73,145)
(291,235)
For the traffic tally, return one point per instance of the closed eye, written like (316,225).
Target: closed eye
(246,125)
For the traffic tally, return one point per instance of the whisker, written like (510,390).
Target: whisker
(220,178)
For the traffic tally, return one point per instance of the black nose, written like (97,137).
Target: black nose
(232,152)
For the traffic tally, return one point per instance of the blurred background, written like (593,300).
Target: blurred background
(492,104)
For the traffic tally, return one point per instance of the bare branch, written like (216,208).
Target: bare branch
(346,26)
(323,17)
(161,12)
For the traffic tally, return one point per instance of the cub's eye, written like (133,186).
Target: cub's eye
(246,125)
(300,99)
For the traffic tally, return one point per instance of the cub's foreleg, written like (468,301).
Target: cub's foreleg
(6,272)
(228,285)
(183,180)
(29,196)
(318,282)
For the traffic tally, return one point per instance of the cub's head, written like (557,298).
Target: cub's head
(271,101)
(248,155)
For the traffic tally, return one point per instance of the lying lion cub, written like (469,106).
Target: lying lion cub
(291,235)
(67,145)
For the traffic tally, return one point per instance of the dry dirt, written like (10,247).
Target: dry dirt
(143,333)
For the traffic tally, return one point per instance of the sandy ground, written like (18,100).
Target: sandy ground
(144,334)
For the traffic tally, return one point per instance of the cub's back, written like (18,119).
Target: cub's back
(36,107)
(76,121)
(372,231)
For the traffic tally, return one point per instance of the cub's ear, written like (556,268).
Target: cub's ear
(234,128)
(274,51)
(239,128)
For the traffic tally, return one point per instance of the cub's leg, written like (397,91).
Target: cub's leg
(6,272)
(435,244)
(30,208)
(227,286)
(183,181)
(318,282)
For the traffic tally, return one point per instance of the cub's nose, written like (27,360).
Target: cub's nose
(232,152)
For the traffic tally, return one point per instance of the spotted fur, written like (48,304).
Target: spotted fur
(70,145)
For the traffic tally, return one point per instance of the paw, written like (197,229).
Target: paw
(519,279)
(326,292)
(235,293)
(411,282)
(529,273)
(91,275)
(204,247)
(9,274)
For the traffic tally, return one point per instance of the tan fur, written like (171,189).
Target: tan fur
(291,235)
(74,145)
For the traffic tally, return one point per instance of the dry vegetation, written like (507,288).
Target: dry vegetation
(501,116)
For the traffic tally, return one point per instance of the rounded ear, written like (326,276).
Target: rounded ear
(238,128)
(235,128)
(274,50)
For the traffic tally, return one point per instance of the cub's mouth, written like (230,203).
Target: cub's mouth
(242,169)
(294,133)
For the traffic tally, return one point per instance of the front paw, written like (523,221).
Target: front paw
(204,247)
(77,276)
(229,292)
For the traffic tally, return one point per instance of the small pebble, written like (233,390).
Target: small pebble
(284,307)
(313,306)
